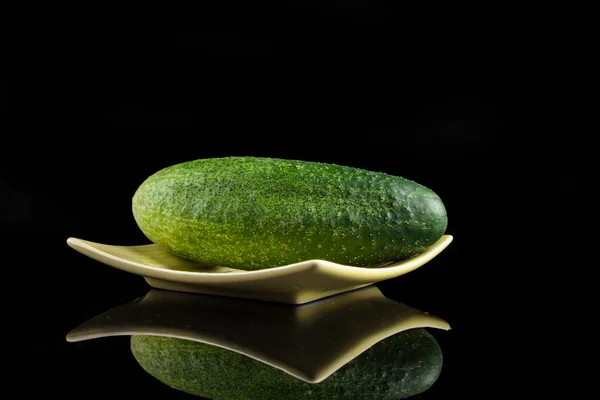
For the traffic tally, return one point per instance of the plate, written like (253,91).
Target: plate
(296,283)
(309,341)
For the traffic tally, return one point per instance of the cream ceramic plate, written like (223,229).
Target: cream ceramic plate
(295,283)
(309,341)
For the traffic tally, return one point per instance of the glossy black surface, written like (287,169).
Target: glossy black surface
(310,342)
(330,82)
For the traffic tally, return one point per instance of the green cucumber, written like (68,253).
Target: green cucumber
(254,213)
(400,366)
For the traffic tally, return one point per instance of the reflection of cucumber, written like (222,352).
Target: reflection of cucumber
(402,365)
(253,213)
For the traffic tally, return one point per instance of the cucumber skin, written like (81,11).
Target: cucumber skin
(398,367)
(254,213)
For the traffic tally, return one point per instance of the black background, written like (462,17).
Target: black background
(445,99)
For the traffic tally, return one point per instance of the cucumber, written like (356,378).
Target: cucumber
(400,366)
(254,213)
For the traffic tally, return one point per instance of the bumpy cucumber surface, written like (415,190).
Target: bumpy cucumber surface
(255,213)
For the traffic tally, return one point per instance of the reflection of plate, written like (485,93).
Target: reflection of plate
(310,341)
(295,283)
